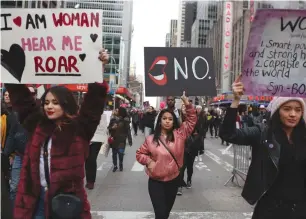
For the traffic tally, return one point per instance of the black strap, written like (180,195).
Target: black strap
(178,166)
(46,162)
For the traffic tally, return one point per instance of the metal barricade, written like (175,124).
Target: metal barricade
(242,160)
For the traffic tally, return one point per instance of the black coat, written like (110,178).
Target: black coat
(264,167)
(148,119)
(121,133)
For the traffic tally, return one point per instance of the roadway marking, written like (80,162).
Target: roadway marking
(228,167)
(178,215)
(201,165)
(105,165)
(137,167)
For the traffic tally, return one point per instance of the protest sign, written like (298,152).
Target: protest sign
(101,132)
(170,71)
(275,57)
(51,46)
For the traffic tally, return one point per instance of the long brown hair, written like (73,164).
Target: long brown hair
(66,100)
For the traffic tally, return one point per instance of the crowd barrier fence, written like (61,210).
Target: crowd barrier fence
(242,160)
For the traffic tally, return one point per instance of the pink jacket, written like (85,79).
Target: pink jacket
(166,168)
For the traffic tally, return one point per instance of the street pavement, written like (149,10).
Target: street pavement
(124,195)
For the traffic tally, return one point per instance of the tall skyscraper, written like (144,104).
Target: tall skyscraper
(117,36)
(187,15)
(206,18)
(173,33)
(167,43)
(31,4)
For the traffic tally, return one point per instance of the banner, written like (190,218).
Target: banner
(170,71)
(275,57)
(51,46)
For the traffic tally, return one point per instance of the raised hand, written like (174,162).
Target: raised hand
(104,56)
(185,99)
(238,88)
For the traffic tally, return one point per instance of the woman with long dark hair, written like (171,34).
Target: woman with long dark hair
(276,180)
(163,155)
(52,176)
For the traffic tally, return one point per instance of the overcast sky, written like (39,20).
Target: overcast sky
(151,20)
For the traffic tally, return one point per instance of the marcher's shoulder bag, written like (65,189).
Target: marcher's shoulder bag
(174,158)
(63,205)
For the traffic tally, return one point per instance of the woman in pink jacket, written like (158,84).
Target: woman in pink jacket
(163,154)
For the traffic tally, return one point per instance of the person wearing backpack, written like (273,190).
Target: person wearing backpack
(194,146)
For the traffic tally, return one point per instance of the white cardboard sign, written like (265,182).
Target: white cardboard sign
(58,46)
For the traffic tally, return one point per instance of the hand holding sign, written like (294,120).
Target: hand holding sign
(238,88)
(104,56)
(185,99)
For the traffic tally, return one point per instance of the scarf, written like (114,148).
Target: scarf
(3,130)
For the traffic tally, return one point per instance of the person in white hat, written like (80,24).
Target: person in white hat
(276,180)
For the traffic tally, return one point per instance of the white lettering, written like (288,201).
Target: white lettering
(194,70)
(177,66)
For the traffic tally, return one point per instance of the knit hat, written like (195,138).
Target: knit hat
(276,103)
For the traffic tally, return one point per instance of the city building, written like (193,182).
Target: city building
(173,33)
(205,19)
(117,36)
(32,4)
(181,23)
(167,43)
(187,15)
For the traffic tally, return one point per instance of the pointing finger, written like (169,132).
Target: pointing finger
(238,79)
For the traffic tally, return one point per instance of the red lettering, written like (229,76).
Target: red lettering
(95,18)
(62,63)
(57,21)
(228,5)
(83,19)
(52,61)
(66,19)
(76,17)
(37,62)
(72,61)
(50,64)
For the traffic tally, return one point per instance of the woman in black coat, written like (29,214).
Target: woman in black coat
(277,174)
(194,146)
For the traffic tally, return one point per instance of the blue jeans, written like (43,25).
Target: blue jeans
(15,176)
(40,209)
(120,153)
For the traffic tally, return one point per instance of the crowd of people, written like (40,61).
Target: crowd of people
(48,149)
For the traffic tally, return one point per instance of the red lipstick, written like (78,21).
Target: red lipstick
(50,113)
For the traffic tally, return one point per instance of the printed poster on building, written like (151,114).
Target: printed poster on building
(275,57)
(170,71)
(51,46)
